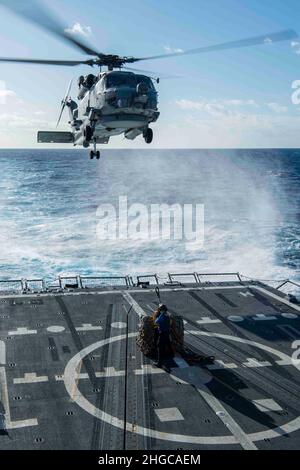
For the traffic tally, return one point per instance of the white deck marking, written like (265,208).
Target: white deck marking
(84,403)
(262,317)
(22,331)
(220,411)
(136,307)
(168,414)
(246,294)
(221,365)
(277,297)
(56,329)
(108,372)
(252,362)
(4,395)
(118,324)
(235,318)
(31,378)
(148,369)
(2,353)
(88,327)
(289,362)
(267,404)
(206,320)
(241,437)
(291,316)
(284,360)
(24,423)
(6,420)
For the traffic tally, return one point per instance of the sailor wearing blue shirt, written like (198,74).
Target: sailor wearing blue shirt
(162,321)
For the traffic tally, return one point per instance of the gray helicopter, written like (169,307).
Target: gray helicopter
(120,100)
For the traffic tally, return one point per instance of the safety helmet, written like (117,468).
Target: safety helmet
(162,307)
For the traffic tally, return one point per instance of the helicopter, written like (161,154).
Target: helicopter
(119,100)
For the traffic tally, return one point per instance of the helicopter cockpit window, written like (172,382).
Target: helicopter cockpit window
(120,79)
(146,80)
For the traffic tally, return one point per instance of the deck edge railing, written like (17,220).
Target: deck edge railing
(127,281)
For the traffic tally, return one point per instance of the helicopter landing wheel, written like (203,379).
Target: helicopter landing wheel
(148,135)
(94,154)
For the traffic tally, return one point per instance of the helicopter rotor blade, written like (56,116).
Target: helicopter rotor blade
(252,41)
(38,14)
(46,62)
(60,115)
(153,75)
(64,102)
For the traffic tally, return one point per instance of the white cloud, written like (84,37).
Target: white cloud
(171,50)
(234,102)
(277,108)
(213,108)
(20,120)
(4,94)
(296,46)
(229,107)
(7,93)
(77,28)
(216,107)
(268,41)
(8,96)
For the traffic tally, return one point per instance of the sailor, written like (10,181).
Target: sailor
(162,322)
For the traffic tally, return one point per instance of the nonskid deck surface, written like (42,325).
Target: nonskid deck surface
(71,376)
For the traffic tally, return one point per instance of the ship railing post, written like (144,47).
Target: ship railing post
(79,280)
(282,284)
(24,284)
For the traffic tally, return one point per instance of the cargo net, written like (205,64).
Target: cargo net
(215,278)
(146,339)
(93,282)
(11,286)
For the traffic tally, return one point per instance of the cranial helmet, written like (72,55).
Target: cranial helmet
(162,307)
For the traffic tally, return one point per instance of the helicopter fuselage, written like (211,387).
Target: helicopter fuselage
(111,104)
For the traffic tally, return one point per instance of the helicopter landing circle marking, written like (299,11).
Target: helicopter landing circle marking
(77,397)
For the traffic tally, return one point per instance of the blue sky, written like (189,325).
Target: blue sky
(237,98)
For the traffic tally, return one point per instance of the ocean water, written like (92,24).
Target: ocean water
(49,201)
